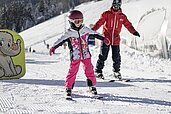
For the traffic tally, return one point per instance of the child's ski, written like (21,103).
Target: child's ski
(69,98)
(94,96)
(97,97)
(122,80)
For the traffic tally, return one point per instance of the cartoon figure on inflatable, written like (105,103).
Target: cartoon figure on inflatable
(12,58)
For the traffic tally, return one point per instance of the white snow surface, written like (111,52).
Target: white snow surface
(41,90)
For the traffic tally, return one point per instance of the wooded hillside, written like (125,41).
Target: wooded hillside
(19,15)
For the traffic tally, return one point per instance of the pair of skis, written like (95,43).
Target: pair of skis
(98,96)
(90,95)
(122,80)
(113,80)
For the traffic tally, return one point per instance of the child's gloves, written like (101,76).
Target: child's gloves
(51,51)
(106,41)
(136,34)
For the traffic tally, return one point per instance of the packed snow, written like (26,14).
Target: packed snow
(41,90)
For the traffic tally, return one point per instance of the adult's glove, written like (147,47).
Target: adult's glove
(106,41)
(136,34)
(51,51)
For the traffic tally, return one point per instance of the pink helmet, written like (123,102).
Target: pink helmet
(75,14)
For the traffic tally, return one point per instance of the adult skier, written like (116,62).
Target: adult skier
(112,21)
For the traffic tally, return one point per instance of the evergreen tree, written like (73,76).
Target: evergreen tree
(19,15)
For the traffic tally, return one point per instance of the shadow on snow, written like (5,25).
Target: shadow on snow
(106,97)
(41,62)
(78,83)
(150,80)
(110,97)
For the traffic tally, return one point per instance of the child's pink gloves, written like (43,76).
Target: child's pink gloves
(51,51)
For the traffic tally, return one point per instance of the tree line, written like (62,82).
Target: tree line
(19,15)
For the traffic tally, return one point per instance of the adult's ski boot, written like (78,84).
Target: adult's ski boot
(117,75)
(99,75)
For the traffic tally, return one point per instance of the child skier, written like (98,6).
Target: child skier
(77,38)
(112,21)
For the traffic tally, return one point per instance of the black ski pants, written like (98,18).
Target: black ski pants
(104,50)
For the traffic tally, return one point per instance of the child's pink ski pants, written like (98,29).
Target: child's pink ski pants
(74,67)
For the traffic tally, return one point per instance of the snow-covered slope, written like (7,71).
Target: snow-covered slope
(134,9)
(41,90)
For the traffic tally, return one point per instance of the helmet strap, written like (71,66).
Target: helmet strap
(72,25)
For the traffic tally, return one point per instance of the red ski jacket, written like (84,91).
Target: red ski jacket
(112,25)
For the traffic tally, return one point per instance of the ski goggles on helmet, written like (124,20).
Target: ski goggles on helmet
(116,5)
(77,21)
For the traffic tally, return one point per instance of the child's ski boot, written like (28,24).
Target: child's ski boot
(68,94)
(93,90)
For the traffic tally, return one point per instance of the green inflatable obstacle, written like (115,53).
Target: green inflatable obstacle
(12,55)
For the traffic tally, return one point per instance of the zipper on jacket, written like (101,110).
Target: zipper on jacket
(117,24)
(111,23)
(113,32)
(80,45)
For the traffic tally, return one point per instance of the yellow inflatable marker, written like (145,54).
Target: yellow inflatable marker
(12,55)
